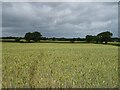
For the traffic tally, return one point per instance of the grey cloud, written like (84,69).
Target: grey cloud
(60,0)
(59,19)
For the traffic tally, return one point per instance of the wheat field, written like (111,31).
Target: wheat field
(42,65)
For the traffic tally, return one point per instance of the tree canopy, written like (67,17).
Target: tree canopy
(36,36)
(103,37)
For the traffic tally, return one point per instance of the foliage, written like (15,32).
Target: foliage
(89,38)
(36,36)
(104,37)
(101,37)
(73,40)
(17,39)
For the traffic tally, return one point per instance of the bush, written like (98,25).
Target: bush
(17,39)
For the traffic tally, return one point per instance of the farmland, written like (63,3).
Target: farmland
(59,65)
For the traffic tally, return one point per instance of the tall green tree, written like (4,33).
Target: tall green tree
(28,36)
(36,36)
(104,37)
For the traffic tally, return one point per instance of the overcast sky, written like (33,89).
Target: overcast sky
(59,19)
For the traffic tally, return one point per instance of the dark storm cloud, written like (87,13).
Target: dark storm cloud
(59,19)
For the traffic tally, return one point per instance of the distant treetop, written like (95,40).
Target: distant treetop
(36,36)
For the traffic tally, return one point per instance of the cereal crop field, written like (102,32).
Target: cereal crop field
(59,65)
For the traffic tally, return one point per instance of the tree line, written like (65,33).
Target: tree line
(37,36)
(103,37)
